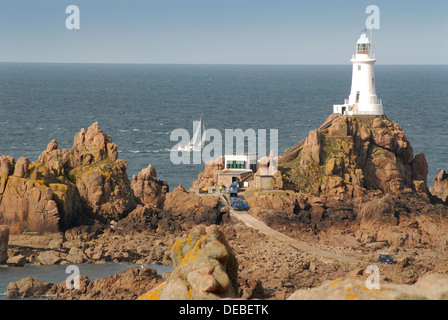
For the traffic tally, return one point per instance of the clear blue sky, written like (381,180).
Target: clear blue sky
(221,31)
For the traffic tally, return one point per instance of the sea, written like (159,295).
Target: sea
(139,107)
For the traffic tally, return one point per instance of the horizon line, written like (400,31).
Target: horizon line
(222,64)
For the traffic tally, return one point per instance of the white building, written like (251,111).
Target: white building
(238,168)
(246,161)
(363,99)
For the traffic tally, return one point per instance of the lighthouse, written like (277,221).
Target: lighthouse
(363,99)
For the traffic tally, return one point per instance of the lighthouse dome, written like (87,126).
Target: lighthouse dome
(363,39)
(363,45)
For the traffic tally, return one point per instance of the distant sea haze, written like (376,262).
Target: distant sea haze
(140,105)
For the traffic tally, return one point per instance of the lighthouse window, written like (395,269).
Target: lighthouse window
(359,68)
(236,165)
(363,48)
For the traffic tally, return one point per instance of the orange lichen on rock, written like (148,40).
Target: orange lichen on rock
(205,268)
(154,294)
(335,283)
(351,297)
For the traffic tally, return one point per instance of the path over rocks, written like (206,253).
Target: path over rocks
(256,224)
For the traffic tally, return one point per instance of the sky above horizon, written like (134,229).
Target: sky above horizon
(221,31)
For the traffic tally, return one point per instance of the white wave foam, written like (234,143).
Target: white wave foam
(159,150)
(146,151)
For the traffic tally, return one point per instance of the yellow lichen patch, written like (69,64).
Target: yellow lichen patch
(349,289)
(351,297)
(189,239)
(335,283)
(193,253)
(364,288)
(59,187)
(346,147)
(154,294)
(177,248)
(329,167)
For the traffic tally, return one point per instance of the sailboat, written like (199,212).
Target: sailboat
(197,142)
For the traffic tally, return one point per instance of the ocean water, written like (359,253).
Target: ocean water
(57,273)
(140,105)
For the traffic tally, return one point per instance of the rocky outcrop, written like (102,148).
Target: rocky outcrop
(27,288)
(205,268)
(62,188)
(287,202)
(6,169)
(419,168)
(87,244)
(141,219)
(104,189)
(100,177)
(209,177)
(37,196)
(440,185)
(181,209)
(400,220)
(50,170)
(378,212)
(52,158)
(48,258)
(268,166)
(17,260)
(403,222)
(89,147)
(29,204)
(148,190)
(190,209)
(161,211)
(355,155)
(147,218)
(125,286)
(4,239)
(359,174)
(27,201)
(431,286)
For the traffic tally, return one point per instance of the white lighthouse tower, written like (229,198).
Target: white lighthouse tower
(363,99)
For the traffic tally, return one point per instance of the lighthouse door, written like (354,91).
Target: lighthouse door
(357,96)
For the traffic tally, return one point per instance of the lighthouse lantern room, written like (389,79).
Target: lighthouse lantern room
(363,99)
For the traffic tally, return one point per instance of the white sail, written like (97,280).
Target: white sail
(197,142)
(203,136)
